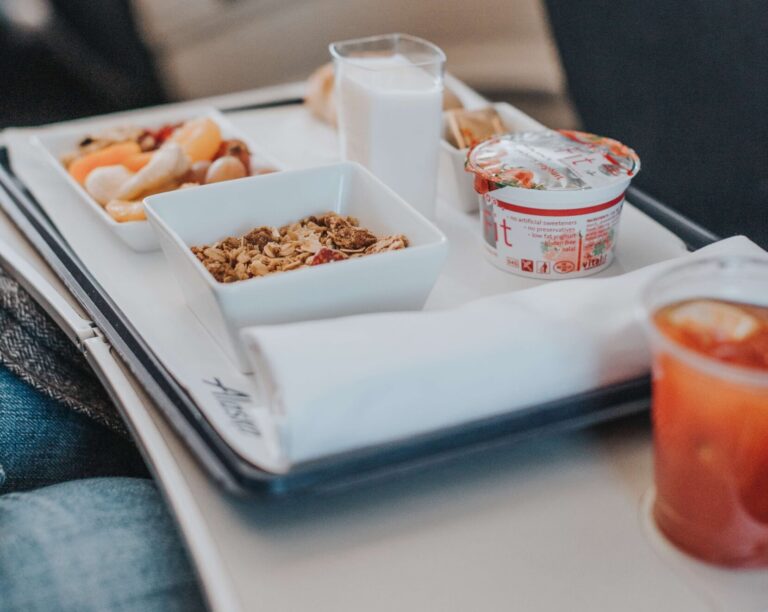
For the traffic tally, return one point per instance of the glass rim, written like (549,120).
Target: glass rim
(396,36)
(710,365)
(724,261)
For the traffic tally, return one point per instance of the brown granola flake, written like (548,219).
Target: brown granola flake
(259,237)
(310,241)
(350,237)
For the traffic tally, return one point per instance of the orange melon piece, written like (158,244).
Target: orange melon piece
(134,163)
(108,156)
(198,138)
(126,210)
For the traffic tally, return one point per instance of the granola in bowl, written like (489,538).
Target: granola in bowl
(312,241)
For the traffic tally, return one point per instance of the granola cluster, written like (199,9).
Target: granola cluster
(312,241)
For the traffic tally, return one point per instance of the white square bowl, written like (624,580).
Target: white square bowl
(138,235)
(394,280)
(456,185)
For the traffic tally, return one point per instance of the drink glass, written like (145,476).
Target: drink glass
(710,414)
(389,91)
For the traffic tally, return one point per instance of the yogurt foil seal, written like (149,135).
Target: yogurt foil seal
(552,160)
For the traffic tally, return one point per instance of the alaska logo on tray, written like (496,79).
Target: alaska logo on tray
(234,403)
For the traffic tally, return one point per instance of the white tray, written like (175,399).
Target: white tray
(141,285)
(570,501)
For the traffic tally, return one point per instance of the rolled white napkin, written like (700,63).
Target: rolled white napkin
(346,383)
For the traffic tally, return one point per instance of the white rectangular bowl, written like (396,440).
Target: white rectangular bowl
(456,185)
(395,280)
(138,235)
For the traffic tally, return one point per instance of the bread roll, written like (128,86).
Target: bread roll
(320,99)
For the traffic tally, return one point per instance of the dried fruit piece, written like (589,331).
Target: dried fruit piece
(163,133)
(326,255)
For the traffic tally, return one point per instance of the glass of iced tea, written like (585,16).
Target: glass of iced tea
(708,324)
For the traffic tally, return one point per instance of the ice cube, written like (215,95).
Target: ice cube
(726,322)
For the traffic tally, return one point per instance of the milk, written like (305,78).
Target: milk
(390,121)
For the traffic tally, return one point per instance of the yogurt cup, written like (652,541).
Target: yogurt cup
(551,201)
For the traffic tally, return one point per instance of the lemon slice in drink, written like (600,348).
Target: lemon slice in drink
(723,322)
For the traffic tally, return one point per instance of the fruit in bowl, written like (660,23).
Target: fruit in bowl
(121,166)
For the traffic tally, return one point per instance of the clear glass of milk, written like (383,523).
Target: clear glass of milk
(389,91)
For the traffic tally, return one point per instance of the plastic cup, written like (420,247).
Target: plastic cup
(390,97)
(551,201)
(710,421)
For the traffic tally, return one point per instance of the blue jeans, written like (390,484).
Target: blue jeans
(81,525)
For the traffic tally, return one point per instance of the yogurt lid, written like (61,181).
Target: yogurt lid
(552,160)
